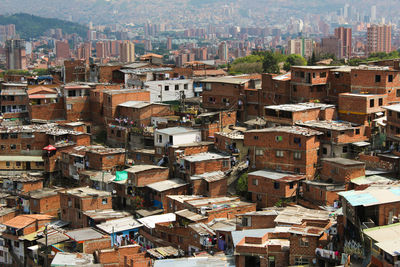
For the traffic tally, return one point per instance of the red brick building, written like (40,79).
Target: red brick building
(289,114)
(287,148)
(309,83)
(339,137)
(376,80)
(225,93)
(129,192)
(268,250)
(74,202)
(45,104)
(267,188)
(393,127)
(76,102)
(45,201)
(113,98)
(139,113)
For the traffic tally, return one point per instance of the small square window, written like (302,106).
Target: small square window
(104,201)
(176,87)
(256,137)
(291,185)
(185,86)
(166,88)
(279,154)
(357,131)
(297,155)
(377,78)
(255,181)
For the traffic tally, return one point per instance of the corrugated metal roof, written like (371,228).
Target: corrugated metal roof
(372,196)
(176,130)
(166,185)
(119,225)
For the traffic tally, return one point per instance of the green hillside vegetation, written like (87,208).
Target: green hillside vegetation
(29,26)
(267,61)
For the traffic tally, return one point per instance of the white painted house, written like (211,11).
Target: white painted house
(169,90)
(175,136)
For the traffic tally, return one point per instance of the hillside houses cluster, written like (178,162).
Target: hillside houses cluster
(147,164)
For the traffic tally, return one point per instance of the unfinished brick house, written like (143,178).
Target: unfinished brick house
(44,201)
(340,138)
(271,249)
(74,202)
(14,101)
(267,188)
(380,80)
(393,127)
(139,113)
(45,104)
(287,148)
(362,109)
(309,83)
(76,102)
(223,93)
(212,122)
(231,143)
(289,114)
(129,192)
(113,98)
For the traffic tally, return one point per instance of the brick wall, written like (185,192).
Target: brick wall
(148,177)
(100,162)
(31,186)
(49,112)
(341,173)
(266,188)
(266,142)
(8,216)
(91,246)
(111,101)
(307,252)
(201,167)
(46,205)
(73,213)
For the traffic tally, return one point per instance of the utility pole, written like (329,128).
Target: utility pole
(46,248)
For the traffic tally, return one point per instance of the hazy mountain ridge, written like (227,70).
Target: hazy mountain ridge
(30,26)
(128,11)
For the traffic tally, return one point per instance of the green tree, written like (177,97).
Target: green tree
(294,60)
(312,60)
(270,63)
(241,186)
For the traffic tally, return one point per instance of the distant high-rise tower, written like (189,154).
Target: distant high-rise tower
(373,13)
(379,39)
(345,37)
(62,50)
(169,43)
(223,52)
(147,45)
(15,54)
(127,52)
(102,50)
(301,46)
